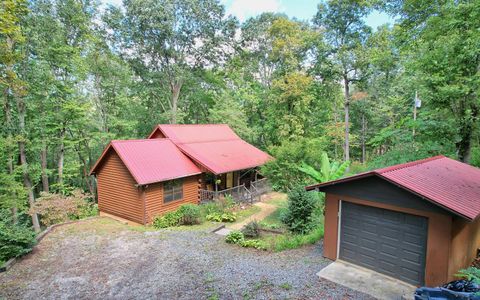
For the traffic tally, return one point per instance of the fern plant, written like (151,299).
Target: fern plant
(328,170)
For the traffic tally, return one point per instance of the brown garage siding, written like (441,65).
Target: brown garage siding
(465,242)
(154,197)
(117,194)
(438,242)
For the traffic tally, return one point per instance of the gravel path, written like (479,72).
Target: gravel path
(102,258)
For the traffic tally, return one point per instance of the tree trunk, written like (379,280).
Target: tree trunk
(43,159)
(347,116)
(464,146)
(8,126)
(175,87)
(61,156)
(23,161)
(364,129)
(28,185)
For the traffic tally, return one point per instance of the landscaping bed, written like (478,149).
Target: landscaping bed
(297,221)
(103,258)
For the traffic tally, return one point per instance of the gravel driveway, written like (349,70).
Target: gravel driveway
(102,258)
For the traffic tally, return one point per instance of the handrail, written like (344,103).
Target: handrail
(239,193)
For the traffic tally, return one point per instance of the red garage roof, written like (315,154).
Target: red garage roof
(151,161)
(453,185)
(213,146)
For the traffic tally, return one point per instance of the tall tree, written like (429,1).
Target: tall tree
(11,53)
(443,41)
(167,40)
(346,32)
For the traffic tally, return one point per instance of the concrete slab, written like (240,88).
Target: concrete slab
(223,231)
(367,281)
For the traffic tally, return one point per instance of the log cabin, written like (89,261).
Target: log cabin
(177,164)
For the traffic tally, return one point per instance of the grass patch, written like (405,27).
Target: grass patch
(273,220)
(278,201)
(292,241)
(242,214)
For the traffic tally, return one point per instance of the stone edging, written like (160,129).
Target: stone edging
(40,237)
(218,228)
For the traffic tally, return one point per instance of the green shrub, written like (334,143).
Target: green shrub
(190,214)
(282,172)
(211,208)
(15,240)
(471,273)
(214,217)
(285,242)
(228,217)
(221,217)
(226,202)
(235,237)
(269,225)
(88,210)
(251,230)
(58,208)
(169,219)
(257,244)
(298,216)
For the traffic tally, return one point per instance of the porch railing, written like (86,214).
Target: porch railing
(260,187)
(239,194)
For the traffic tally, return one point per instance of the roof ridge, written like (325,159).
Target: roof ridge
(140,140)
(407,164)
(209,141)
(210,124)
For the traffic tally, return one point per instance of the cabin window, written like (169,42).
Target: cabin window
(172,190)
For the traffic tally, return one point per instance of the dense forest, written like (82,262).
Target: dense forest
(76,74)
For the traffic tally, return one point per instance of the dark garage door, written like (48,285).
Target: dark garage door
(386,241)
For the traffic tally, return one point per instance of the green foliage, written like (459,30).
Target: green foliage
(190,213)
(257,244)
(169,219)
(286,242)
(328,171)
(234,237)
(211,208)
(15,240)
(475,161)
(299,214)
(74,76)
(58,208)
(471,273)
(251,230)
(187,214)
(283,171)
(221,217)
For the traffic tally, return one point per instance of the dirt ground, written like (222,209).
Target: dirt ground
(102,258)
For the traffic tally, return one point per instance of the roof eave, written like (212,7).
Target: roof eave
(167,179)
(319,186)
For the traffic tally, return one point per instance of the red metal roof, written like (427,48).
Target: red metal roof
(453,185)
(214,146)
(151,161)
(194,133)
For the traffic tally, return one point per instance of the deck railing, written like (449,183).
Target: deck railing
(260,187)
(239,194)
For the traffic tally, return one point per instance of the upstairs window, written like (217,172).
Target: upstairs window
(172,190)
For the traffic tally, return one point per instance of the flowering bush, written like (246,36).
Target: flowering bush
(58,208)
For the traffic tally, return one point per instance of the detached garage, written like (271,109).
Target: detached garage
(417,222)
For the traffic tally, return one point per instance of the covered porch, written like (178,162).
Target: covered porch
(244,186)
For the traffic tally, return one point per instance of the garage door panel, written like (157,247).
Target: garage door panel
(389,242)
(413,257)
